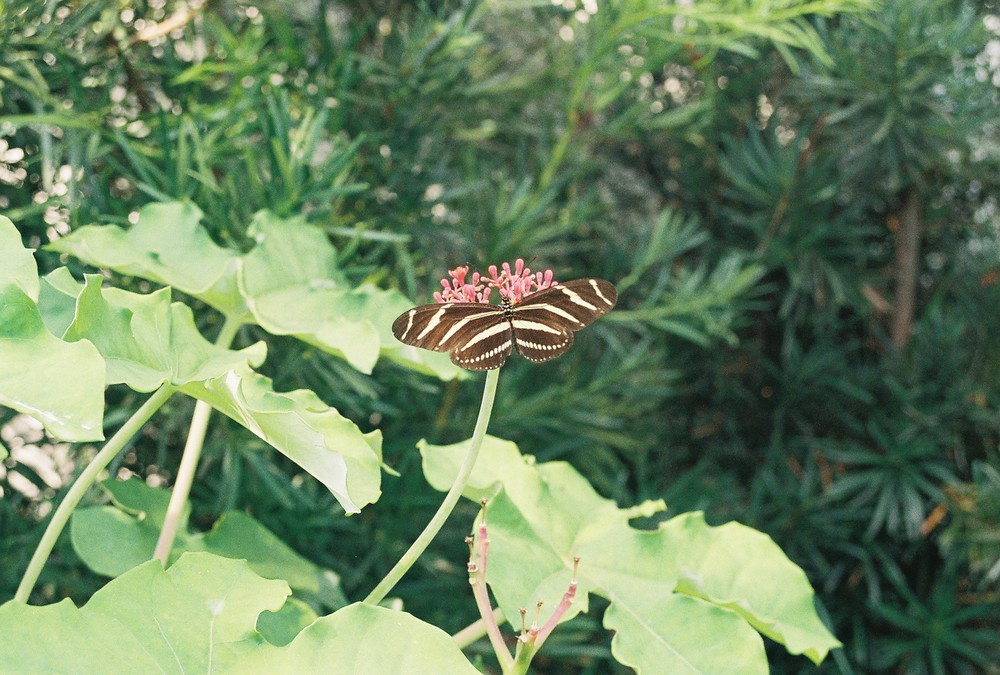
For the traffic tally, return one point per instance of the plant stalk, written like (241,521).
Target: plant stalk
(83,483)
(450,500)
(189,460)
(476,630)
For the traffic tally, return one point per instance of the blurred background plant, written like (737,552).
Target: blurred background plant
(797,199)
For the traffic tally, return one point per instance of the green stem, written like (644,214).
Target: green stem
(189,460)
(450,499)
(476,630)
(83,483)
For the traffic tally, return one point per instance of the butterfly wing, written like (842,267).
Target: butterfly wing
(477,336)
(544,322)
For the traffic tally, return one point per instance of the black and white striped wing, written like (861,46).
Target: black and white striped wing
(478,336)
(544,322)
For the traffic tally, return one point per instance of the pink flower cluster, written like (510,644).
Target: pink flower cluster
(514,284)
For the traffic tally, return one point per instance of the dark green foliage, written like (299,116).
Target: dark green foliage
(741,181)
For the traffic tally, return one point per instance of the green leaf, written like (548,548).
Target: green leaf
(35,365)
(146,340)
(304,429)
(19,267)
(280,627)
(290,283)
(200,616)
(542,516)
(113,539)
(739,568)
(671,633)
(190,618)
(293,286)
(362,640)
(166,245)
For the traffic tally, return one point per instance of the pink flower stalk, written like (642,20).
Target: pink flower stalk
(514,284)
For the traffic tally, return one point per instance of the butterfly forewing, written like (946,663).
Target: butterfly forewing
(477,335)
(481,337)
(544,322)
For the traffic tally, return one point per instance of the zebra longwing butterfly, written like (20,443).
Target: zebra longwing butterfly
(481,336)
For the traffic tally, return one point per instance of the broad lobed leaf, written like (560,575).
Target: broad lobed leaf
(289,283)
(166,245)
(303,428)
(200,615)
(293,287)
(541,516)
(64,386)
(146,340)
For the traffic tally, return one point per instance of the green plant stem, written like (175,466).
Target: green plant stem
(189,460)
(83,483)
(476,630)
(450,499)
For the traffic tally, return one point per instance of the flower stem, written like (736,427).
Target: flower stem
(450,499)
(83,483)
(476,630)
(189,460)
(477,578)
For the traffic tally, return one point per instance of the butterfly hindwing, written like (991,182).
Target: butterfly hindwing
(487,348)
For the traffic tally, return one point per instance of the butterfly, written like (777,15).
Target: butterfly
(481,336)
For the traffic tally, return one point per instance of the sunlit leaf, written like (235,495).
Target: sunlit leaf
(200,615)
(61,384)
(542,516)
(363,640)
(293,286)
(168,245)
(200,612)
(146,340)
(303,428)
(672,633)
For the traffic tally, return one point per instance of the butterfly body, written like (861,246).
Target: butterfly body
(481,336)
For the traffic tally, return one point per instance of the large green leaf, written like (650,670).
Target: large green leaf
(113,539)
(61,384)
(146,340)
(281,627)
(289,283)
(167,245)
(199,616)
(306,430)
(676,634)
(183,620)
(363,640)
(739,568)
(293,287)
(541,516)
